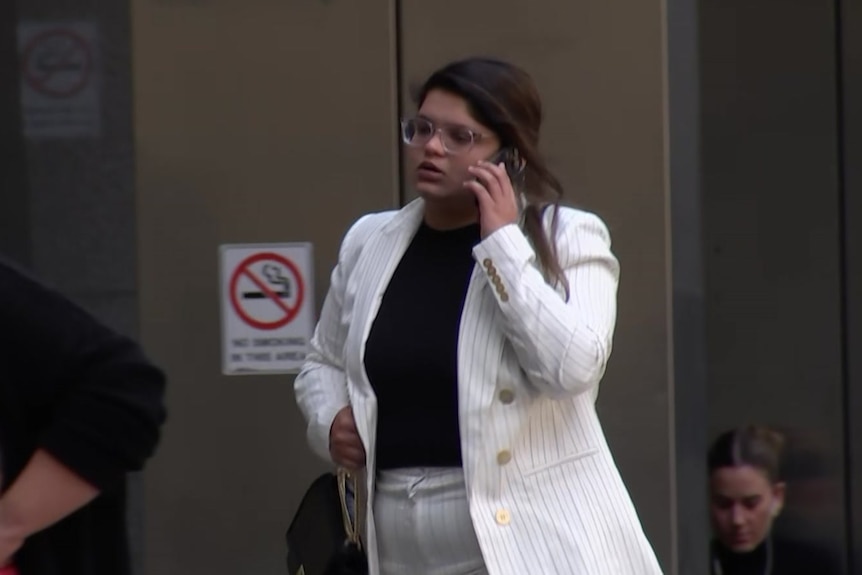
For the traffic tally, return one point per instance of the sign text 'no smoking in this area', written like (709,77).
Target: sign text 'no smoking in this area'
(267,307)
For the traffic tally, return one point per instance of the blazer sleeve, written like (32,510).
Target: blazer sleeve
(321,386)
(563,346)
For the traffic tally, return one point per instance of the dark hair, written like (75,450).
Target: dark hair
(753,445)
(504,98)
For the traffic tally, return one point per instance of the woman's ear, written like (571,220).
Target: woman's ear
(778,492)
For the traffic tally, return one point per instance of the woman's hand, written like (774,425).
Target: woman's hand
(345,445)
(498,205)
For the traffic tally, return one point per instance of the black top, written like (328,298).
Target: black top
(411,356)
(788,558)
(87,396)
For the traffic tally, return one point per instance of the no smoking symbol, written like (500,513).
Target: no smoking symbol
(57,63)
(266,291)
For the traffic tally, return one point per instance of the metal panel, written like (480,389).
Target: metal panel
(773,266)
(256,121)
(850,47)
(14,204)
(689,380)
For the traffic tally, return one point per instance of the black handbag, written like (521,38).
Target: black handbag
(323,537)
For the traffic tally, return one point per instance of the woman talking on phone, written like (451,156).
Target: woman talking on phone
(460,348)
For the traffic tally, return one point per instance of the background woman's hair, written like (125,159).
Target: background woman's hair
(504,98)
(757,446)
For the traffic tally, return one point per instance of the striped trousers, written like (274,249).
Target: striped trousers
(423,523)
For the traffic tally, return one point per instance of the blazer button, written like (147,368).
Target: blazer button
(504,297)
(507,396)
(503,517)
(488,263)
(504,457)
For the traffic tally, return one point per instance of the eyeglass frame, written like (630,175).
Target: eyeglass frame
(474,135)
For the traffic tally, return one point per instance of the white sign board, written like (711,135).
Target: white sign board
(267,300)
(59,79)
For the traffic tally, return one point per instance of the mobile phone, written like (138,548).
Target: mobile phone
(514,165)
(511,162)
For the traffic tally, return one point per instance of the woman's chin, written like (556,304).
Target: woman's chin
(434,190)
(743,546)
(443,191)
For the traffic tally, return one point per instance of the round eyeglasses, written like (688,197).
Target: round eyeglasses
(417,132)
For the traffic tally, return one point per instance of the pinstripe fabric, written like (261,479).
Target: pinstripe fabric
(423,523)
(529,368)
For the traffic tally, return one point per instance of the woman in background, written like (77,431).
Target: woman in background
(747,492)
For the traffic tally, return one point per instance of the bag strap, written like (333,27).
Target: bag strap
(351,526)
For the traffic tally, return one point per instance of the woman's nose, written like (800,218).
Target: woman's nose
(435,144)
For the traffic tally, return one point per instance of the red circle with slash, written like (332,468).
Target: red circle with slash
(62,47)
(243,270)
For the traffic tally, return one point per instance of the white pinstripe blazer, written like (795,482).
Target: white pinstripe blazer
(545,495)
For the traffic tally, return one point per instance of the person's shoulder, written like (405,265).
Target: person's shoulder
(359,233)
(793,556)
(570,218)
(20,290)
(368,223)
(13,276)
(579,234)
(39,311)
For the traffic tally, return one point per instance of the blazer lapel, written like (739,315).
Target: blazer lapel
(480,351)
(380,257)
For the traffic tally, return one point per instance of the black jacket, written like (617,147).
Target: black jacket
(89,397)
(786,558)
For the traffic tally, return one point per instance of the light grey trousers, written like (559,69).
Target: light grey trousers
(423,523)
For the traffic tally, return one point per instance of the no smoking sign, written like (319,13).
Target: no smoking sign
(57,62)
(60,79)
(266,290)
(267,312)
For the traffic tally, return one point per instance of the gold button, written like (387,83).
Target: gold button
(497,281)
(488,263)
(504,297)
(503,517)
(507,396)
(504,457)
(492,271)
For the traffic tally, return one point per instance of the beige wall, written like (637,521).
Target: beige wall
(250,127)
(276,121)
